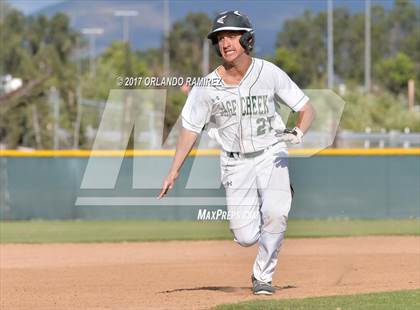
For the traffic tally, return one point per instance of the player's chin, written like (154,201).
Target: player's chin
(229,57)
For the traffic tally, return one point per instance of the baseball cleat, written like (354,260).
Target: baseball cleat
(262,288)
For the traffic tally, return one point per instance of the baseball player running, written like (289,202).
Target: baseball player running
(253,139)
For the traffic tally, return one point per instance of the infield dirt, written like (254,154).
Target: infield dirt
(197,274)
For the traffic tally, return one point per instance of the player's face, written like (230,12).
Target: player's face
(229,45)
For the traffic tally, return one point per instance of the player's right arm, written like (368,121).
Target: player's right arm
(185,143)
(195,114)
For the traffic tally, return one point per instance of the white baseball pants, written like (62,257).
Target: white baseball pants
(258,198)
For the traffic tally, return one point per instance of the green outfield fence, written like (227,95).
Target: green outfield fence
(372,183)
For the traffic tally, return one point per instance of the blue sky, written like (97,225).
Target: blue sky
(146,31)
(30,6)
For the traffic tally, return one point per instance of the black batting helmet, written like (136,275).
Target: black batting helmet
(233,21)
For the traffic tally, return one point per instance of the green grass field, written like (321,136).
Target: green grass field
(140,230)
(400,300)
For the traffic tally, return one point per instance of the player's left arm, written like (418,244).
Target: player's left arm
(306,116)
(294,97)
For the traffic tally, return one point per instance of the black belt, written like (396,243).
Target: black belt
(246,155)
(232,154)
(249,155)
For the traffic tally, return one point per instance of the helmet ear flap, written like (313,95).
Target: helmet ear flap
(247,40)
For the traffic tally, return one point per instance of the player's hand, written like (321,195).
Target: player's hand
(292,136)
(168,183)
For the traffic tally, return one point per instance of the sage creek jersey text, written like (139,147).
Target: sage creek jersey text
(250,105)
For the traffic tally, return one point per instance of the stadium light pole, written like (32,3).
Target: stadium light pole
(166,25)
(54,100)
(206,57)
(76,133)
(367,47)
(125,14)
(2,16)
(92,33)
(330,47)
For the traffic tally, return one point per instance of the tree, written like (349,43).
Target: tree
(118,60)
(404,22)
(289,62)
(377,110)
(153,58)
(395,72)
(392,31)
(186,44)
(304,36)
(37,50)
